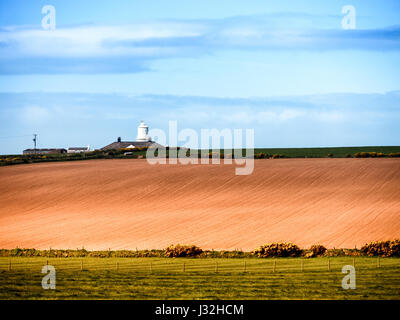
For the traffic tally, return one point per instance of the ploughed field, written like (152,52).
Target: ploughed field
(128,204)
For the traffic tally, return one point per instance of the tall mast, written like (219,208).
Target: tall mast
(34,142)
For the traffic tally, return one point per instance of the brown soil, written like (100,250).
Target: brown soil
(128,204)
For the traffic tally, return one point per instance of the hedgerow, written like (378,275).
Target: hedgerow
(317,250)
(278,156)
(278,250)
(261,155)
(371,155)
(390,248)
(382,248)
(175,251)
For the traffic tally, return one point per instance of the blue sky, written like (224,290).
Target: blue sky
(285,68)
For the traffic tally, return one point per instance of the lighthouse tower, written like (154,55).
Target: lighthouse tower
(143,131)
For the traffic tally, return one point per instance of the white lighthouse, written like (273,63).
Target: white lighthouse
(143,131)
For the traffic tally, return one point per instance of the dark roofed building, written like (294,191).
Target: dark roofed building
(44,151)
(129,144)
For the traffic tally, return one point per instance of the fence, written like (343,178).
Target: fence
(179,265)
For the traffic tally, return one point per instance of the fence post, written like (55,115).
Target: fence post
(244,267)
(329,264)
(216,267)
(47,262)
(151,267)
(274,267)
(117,266)
(81,265)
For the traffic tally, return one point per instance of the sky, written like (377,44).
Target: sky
(287,69)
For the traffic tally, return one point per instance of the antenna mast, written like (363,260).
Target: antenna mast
(34,142)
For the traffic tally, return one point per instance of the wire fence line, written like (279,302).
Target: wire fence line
(188,265)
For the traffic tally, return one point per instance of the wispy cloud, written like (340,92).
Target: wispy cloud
(131,48)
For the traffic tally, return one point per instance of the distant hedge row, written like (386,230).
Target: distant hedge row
(80,253)
(390,248)
(97,154)
(141,153)
(376,155)
(263,155)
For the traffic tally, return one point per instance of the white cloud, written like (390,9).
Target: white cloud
(106,45)
(91,41)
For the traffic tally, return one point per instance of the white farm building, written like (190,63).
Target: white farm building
(78,149)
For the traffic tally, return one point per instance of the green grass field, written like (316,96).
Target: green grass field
(186,278)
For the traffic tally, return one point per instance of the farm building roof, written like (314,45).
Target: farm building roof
(78,148)
(124,144)
(46,149)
